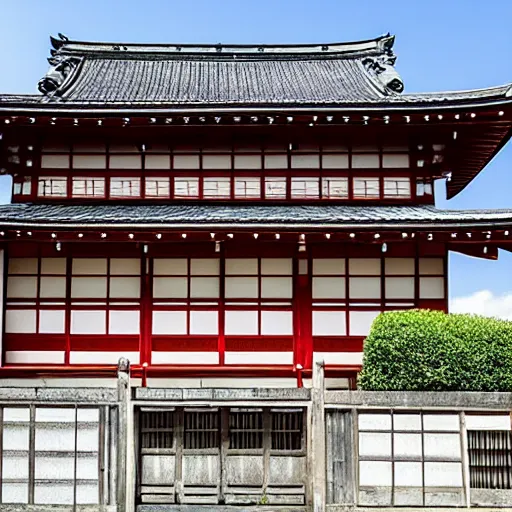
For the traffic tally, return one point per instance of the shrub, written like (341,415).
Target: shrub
(421,350)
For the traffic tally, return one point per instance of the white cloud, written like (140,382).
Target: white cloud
(484,303)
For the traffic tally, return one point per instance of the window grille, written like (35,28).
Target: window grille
(247,187)
(157,187)
(335,188)
(186,187)
(287,430)
(125,187)
(397,187)
(490,459)
(216,187)
(275,188)
(88,187)
(245,430)
(366,188)
(305,187)
(52,186)
(201,430)
(157,429)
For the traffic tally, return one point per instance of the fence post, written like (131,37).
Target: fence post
(123,398)
(318,457)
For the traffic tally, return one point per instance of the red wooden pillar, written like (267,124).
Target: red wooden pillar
(302,313)
(145,310)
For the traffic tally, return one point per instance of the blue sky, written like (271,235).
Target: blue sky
(441,45)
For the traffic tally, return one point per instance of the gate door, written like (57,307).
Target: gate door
(232,456)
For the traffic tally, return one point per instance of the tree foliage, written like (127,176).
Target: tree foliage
(422,350)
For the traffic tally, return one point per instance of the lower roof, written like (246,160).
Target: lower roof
(197,216)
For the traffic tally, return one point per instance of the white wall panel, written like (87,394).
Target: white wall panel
(52,287)
(204,287)
(361,322)
(407,422)
(186,161)
(375,473)
(329,323)
(125,287)
(52,321)
(204,266)
(124,322)
(100,357)
(407,445)
(364,288)
(88,322)
(34,357)
(204,322)
(14,467)
(55,161)
(17,414)
(241,287)
(374,421)
(364,266)
(276,288)
(443,474)
(241,323)
(170,287)
(20,321)
(53,266)
(328,266)
(399,287)
(89,287)
(276,161)
(374,444)
(125,162)
(258,357)
(431,266)
(329,288)
(335,161)
(23,265)
(441,422)
(170,266)
(185,357)
(431,287)
(248,162)
(157,162)
(305,161)
(339,358)
(88,266)
(89,161)
(14,492)
(488,422)
(276,266)
(408,474)
(216,161)
(395,161)
(399,266)
(16,437)
(445,446)
(125,266)
(169,322)
(21,287)
(365,161)
(277,323)
(241,266)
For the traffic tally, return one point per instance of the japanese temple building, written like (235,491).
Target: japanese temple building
(227,216)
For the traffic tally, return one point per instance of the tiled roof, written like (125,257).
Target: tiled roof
(284,216)
(110,76)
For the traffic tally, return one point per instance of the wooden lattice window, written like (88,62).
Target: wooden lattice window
(490,459)
(201,430)
(157,429)
(287,430)
(245,430)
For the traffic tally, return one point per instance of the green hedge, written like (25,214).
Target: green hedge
(421,350)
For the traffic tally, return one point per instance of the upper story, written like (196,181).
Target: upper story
(270,124)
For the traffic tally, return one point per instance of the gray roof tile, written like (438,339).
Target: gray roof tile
(287,216)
